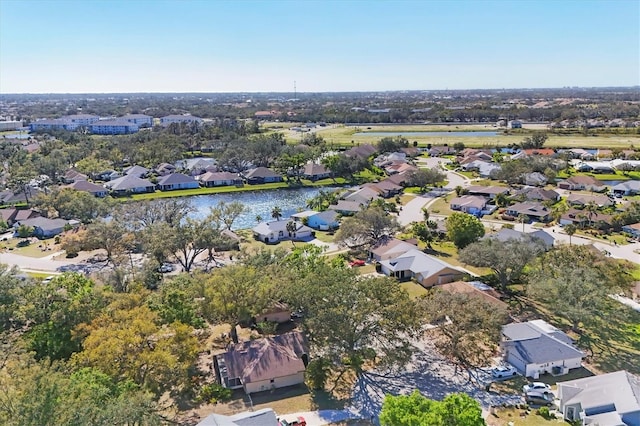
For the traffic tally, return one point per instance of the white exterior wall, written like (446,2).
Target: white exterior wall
(536,370)
(10,125)
(278,382)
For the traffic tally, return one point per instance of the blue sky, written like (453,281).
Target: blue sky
(257,46)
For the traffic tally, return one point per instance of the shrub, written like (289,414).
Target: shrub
(213,393)
(317,373)
(545,414)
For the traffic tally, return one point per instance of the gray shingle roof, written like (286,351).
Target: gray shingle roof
(126,183)
(175,179)
(538,342)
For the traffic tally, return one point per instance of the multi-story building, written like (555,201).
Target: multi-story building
(69,122)
(10,125)
(187,118)
(141,120)
(116,126)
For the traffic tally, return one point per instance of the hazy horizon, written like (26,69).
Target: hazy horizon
(102,47)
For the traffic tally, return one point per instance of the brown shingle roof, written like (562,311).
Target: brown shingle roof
(267,358)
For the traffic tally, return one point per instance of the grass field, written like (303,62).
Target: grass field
(37,248)
(519,417)
(346,136)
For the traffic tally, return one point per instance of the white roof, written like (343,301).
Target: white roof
(417,262)
(621,388)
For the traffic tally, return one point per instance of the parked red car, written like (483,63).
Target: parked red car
(356,262)
(299,421)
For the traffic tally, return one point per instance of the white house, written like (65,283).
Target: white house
(274,231)
(324,221)
(265,416)
(426,270)
(611,399)
(177,181)
(536,347)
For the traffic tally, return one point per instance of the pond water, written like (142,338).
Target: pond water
(257,203)
(437,134)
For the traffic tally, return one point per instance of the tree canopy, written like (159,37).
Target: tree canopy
(507,258)
(456,409)
(464,229)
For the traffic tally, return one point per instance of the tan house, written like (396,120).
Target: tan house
(582,183)
(264,364)
(278,313)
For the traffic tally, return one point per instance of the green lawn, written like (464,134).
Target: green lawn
(346,137)
(520,417)
(414,289)
(35,249)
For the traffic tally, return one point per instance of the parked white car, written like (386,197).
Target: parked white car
(537,386)
(503,371)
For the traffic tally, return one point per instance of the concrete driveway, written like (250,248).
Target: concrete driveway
(428,372)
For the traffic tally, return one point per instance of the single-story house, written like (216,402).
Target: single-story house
(165,169)
(9,197)
(535,179)
(209,179)
(177,181)
(137,171)
(437,151)
(506,234)
(390,248)
(537,194)
(582,218)
(361,151)
(582,183)
(487,191)
(91,188)
(399,179)
(361,195)
(72,175)
(399,167)
(475,289)
(385,188)
(426,270)
(472,204)
(129,184)
(533,210)
(584,199)
(264,364)
(611,399)
(12,215)
(632,229)
(630,187)
(261,175)
(44,227)
(484,168)
(313,171)
(274,231)
(536,347)
(278,313)
(265,416)
(106,175)
(346,208)
(197,166)
(324,221)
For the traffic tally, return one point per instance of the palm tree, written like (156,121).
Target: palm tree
(523,218)
(291,230)
(570,230)
(258,218)
(592,210)
(502,200)
(276,213)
